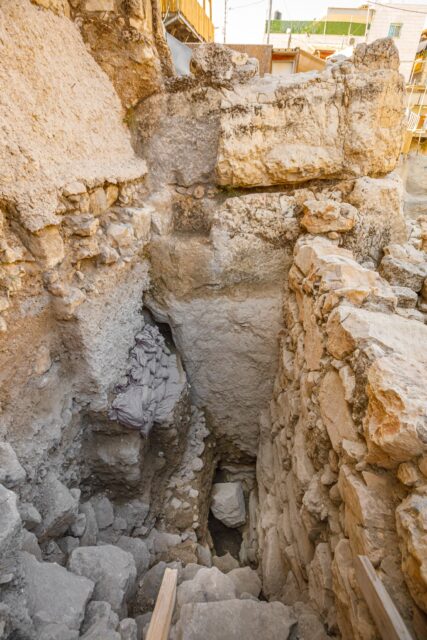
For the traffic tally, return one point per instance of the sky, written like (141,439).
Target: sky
(246,18)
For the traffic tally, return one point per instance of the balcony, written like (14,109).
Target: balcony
(187,20)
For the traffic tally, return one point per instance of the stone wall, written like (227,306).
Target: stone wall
(341,459)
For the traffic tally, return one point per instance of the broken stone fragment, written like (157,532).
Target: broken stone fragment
(225,563)
(228,503)
(103,510)
(57,506)
(208,585)
(246,580)
(404,266)
(396,423)
(46,246)
(121,234)
(29,515)
(406,297)
(66,306)
(335,410)
(411,518)
(11,471)
(54,595)
(324,216)
(10,524)
(112,570)
(85,225)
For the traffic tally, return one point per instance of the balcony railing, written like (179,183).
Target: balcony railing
(318,27)
(192,13)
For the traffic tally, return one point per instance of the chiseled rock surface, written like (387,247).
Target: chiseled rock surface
(324,216)
(228,503)
(235,618)
(263,142)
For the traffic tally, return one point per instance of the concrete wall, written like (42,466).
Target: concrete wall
(412,26)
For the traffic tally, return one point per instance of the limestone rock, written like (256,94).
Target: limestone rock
(54,595)
(104,512)
(111,569)
(225,563)
(208,585)
(139,551)
(404,266)
(323,216)
(10,521)
(57,506)
(11,472)
(335,410)
(149,586)
(235,618)
(411,518)
(245,580)
(228,503)
(258,147)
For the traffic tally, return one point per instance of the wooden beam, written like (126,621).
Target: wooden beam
(387,618)
(165,604)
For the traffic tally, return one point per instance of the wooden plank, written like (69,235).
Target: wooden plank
(165,604)
(387,618)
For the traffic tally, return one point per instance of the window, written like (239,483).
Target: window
(394,30)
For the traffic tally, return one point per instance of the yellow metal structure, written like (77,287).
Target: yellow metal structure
(189,18)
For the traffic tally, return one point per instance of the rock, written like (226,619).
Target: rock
(324,216)
(10,522)
(208,585)
(190,571)
(104,511)
(411,518)
(335,411)
(68,544)
(142,623)
(228,503)
(404,266)
(139,551)
(30,517)
(128,629)
(57,506)
(31,545)
(406,298)
(98,613)
(79,525)
(204,555)
(112,570)
(54,595)
(231,619)
(90,534)
(57,632)
(225,563)
(11,472)
(256,147)
(245,580)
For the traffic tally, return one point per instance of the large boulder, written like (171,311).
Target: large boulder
(113,571)
(264,141)
(208,585)
(228,503)
(54,595)
(233,619)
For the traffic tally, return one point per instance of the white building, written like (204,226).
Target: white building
(404,23)
(342,28)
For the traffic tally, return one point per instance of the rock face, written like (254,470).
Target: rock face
(262,141)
